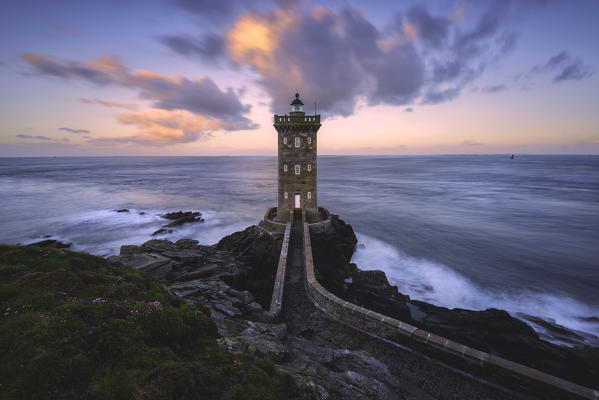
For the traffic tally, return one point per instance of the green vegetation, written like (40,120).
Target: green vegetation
(77,326)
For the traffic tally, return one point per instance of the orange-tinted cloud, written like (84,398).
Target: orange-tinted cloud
(164,127)
(131,107)
(199,96)
(330,56)
(184,110)
(255,37)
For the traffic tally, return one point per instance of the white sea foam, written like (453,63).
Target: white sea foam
(440,285)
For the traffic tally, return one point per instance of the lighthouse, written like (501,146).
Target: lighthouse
(297,168)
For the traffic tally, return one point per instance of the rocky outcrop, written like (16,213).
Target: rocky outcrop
(234,280)
(259,251)
(178,218)
(492,330)
(182,217)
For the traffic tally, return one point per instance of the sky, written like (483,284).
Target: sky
(199,77)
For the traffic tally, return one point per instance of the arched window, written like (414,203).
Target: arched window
(285,168)
(284,140)
(309,167)
(309,195)
(286,195)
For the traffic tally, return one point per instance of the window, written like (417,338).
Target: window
(309,167)
(309,140)
(285,168)
(297,169)
(284,140)
(297,142)
(285,195)
(309,195)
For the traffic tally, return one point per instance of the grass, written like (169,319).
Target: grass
(77,326)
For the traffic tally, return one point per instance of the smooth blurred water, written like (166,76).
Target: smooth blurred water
(459,231)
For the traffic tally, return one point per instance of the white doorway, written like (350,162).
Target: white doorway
(297,201)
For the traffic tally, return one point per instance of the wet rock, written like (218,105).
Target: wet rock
(130,249)
(182,217)
(162,231)
(154,264)
(186,243)
(122,210)
(265,340)
(260,252)
(52,243)
(185,255)
(158,246)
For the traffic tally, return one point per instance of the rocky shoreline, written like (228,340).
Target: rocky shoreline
(234,278)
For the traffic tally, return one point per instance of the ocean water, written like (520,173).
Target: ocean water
(458,231)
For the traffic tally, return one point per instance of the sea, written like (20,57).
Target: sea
(459,231)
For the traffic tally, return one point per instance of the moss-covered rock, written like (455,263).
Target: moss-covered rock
(78,326)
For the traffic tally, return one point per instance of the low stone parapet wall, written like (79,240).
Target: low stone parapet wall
(321,226)
(271,224)
(393,329)
(276,302)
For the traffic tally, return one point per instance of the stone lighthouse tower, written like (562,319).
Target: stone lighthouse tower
(297,161)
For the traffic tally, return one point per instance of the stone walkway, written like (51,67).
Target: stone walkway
(386,371)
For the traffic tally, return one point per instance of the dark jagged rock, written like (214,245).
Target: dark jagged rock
(260,251)
(179,218)
(492,330)
(245,260)
(122,210)
(182,217)
(52,243)
(162,231)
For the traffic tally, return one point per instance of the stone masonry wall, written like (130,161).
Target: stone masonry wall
(279,286)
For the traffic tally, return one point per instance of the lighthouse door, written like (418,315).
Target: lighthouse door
(297,201)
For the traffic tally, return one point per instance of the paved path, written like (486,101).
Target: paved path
(389,370)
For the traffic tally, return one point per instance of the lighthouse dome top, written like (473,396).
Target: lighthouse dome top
(297,101)
(297,104)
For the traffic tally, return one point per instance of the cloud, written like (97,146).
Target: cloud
(131,107)
(432,30)
(70,130)
(334,58)
(470,142)
(209,46)
(208,8)
(21,136)
(201,96)
(102,70)
(564,67)
(441,96)
(340,58)
(493,89)
(164,127)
